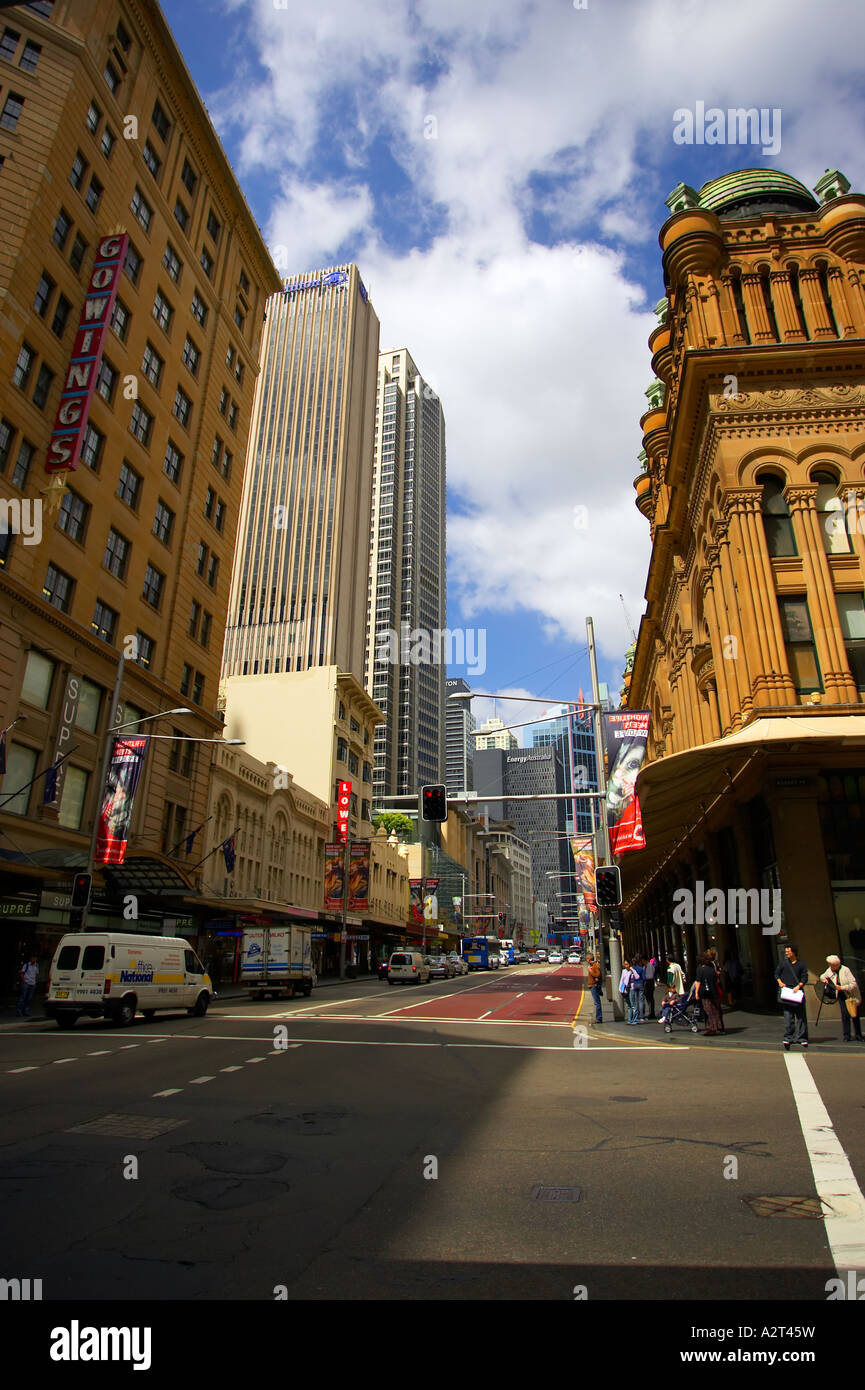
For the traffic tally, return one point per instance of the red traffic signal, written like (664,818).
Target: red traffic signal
(81,885)
(434,803)
(608,885)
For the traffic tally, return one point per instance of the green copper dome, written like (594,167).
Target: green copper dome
(752,192)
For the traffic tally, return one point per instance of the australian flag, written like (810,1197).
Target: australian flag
(50,793)
(190,840)
(228,854)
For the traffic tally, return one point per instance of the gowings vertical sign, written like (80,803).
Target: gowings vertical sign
(67,436)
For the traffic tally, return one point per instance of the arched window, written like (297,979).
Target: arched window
(830,510)
(776,517)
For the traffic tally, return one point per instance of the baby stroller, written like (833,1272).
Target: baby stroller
(685,1013)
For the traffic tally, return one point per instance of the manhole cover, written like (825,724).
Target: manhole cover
(127,1126)
(803,1208)
(628,1098)
(555,1194)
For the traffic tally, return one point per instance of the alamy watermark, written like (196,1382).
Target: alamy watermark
(736,126)
(735,907)
(417,646)
(23,517)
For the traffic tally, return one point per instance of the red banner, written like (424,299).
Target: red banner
(415,890)
(343,808)
(124,770)
(70,425)
(334,876)
(626,734)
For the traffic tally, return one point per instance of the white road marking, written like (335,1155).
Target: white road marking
(231,1069)
(255,1059)
(486,1015)
(126,1046)
(834,1179)
(58,1061)
(14,1070)
(103,1053)
(200,1080)
(174,1091)
(151,1041)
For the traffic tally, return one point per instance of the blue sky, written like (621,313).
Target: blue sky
(498,171)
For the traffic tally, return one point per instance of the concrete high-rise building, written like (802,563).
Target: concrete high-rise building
(541,824)
(405,614)
(460,745)
(135,560)
(573,735)
(299,582)
(494,734)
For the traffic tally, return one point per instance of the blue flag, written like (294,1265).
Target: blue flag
(50,793)
(228,853)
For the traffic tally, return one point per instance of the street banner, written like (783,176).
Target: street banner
(430,899)
(124,770)
(626,733)
(584,869)
(343,806)
(358,878)
(334,876)
(415,897)
(79,384)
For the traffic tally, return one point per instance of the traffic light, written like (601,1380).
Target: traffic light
(81,885)
(608,885)
(434,803)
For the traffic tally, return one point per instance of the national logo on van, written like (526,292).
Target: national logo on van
(139,973)
(254,949)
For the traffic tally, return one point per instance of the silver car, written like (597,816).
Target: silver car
(460,966)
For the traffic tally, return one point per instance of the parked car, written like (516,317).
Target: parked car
(440,967)
(556,958)
(459,965)
(520,958)
(407,967)
(540,954)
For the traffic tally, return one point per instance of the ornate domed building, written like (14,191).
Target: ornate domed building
(751,654)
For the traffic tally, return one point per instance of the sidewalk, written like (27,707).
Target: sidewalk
(744,1029)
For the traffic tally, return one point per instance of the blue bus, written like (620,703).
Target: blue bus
(481,952)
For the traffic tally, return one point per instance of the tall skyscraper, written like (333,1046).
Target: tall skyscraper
(534,772)
(573,735)
(405,618)
(460,745)
(301,564)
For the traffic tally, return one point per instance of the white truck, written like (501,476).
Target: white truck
(277,961)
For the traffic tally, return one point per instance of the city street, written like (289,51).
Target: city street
(387,1142)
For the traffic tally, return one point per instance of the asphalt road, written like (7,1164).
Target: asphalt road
(376,1142)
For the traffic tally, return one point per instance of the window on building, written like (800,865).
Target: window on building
(120,320)
(106,382)
(141,209)
(341,750)
(209,500)
(162,311)
(830,514)
(104,622)
(12,108)
(213,226)
(163,524)
(206,623)
(79,249)
(182,406)
(132,264)
(151,159)
(191,356)
(172,262)
(206,262)
(141,423)
(112,78)
(78,170)
(94,194)
(106,144)
(91,449)
(199,309)
(89,705)
(57,588)
(181,215)
(20,771)
(194,619)
(73,515)
(24,365)
(225,470)
(161,121)
(154,584)
(203,552)
(777,525)
(43,385)
(239,319)
(116,559)
(244,282)
(152,364)
(61,228)
(44,291)
(799,642)
(7,437)
(232,416)
(38,677)
(72,798)
(186,679)
(129,486)
(189,178)
(223,401)
(121,34)
(851,611)
(198,688)
(30,56)
(172,464)
(216,451)
(21,471)
(93,117)
(9,45)
(144,648)
(213,571)
(219,515)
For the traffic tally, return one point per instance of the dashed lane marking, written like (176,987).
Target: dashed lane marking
(200,1080)
(173,1091)
(14,1070)
(231,1069)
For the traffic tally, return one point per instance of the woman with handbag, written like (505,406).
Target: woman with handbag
(791,978)
(841,982)
(709,995)
(625,981)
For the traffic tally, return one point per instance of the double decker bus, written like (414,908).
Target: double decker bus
(481,952)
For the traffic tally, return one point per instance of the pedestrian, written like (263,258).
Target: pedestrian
(651,972)
(846,990)
(594,977)
(675,975)
(638,990)
(713,957)
(709,995)
(732,973)
(792,977)
(625,981)
(28,976)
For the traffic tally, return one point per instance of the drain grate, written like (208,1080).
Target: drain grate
(801,1208)
(556,1194)
(127,1126)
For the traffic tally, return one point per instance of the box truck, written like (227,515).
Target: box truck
(277,961)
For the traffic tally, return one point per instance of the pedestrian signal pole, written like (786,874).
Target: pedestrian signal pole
(604,855)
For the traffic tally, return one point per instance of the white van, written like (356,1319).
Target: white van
(408,966)
(117,974)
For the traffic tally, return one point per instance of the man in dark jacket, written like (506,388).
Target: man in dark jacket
(792,973)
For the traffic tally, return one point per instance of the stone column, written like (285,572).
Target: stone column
(785,307)
(771,683)
(755,309)
(816,314)
(838,683)
(735,684)
(762,948)
(729,313)
(841,304)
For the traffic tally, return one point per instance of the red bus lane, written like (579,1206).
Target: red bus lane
(553,997)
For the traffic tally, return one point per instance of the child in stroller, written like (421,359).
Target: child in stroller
(679,1009)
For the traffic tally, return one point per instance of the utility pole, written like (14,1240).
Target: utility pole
(603,830)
